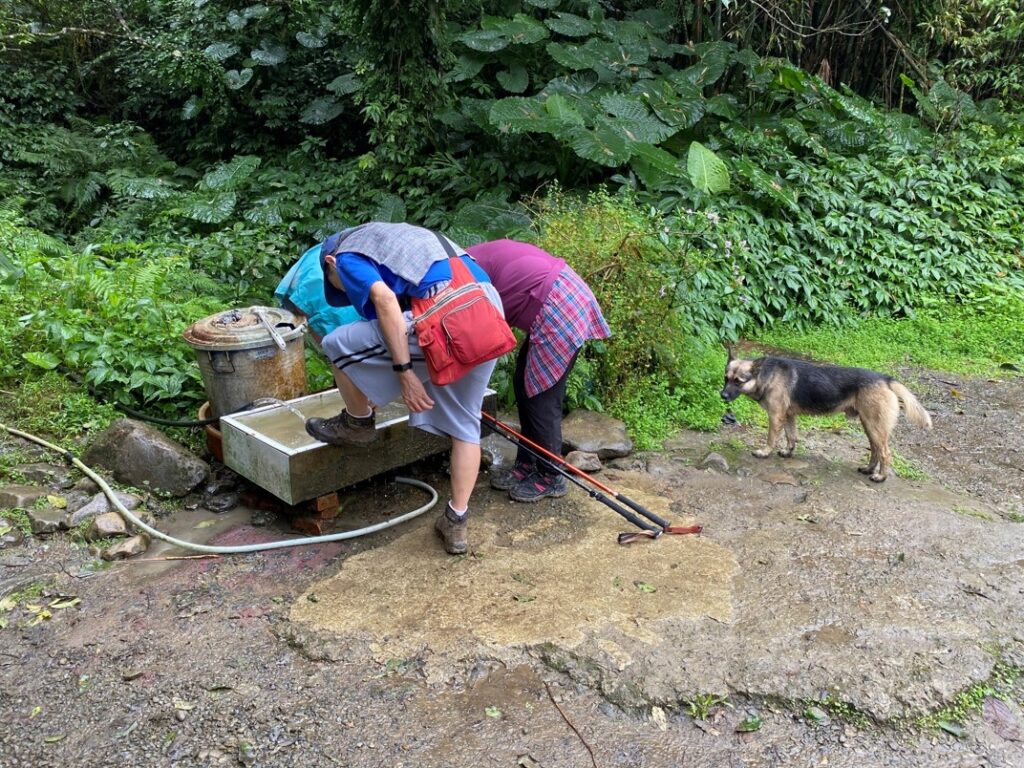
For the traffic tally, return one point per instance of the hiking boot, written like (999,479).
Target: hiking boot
(452,529)
(506,479)
(538,486)
(343,429)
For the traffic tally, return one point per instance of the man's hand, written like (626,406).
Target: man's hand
(413,392)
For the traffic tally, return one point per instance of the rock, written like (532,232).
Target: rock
(46,521)
(715,462)
(587,462)
(223,480)
(100,505)
(262,517)
(41,473)
(10,534)
(87,485)
(222,502)
(75,500)
(142,456)
(130,547)
(21,496)
(629,464)
(596,433)
(106,526)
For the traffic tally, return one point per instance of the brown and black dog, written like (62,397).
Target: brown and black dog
(786,388)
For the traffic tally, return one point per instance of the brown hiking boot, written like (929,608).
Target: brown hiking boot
(343,429)
(452,529)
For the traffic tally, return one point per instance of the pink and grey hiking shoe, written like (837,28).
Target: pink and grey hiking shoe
(506,479)
(537,486)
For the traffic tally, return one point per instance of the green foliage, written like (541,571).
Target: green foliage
(104,316)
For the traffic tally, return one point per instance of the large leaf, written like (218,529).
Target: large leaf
(569,56)
(570,25)
(141,187)
(520,115)
(707,171)
(680,110)
(560,109)
(230,175)
(211,210)
(576,83)
(269,54)
(191,108)
(484,40)
(390,208)
(265,211)
(466,68)
(344,84)
(602,145)
(623,106)
(45,360)
(656,167)
(316,39)
(723,105)
(519,30)
(515,79)
(236,79)
(221,51)
(320,111)
(764,184)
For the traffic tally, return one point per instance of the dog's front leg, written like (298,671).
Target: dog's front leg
(790,427)
(775,422)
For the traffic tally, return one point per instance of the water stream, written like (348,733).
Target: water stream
(274,401)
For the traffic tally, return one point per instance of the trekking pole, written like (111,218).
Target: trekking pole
(648,530)
(563,467)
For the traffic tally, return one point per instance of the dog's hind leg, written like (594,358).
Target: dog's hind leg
(879,422)
(790,427)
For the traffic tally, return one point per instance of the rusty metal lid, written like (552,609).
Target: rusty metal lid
(242,329)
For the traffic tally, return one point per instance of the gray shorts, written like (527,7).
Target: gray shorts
(358,350)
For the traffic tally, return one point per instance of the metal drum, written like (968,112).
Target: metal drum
(248,354)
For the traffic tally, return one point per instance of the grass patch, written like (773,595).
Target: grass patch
(839,709)
(906,469)
(51,405)
(968,512)
(702,705)
(18,518)
(983,339)
(968,703)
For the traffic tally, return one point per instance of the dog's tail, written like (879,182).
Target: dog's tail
(916,413)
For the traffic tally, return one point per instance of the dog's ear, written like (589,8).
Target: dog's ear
(728,348)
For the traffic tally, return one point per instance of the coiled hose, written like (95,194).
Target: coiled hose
(242,548)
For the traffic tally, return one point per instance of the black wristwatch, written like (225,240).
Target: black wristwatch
(400,367)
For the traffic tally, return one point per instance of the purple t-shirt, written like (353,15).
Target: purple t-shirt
(523,275)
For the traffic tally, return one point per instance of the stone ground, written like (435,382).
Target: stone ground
(833,612)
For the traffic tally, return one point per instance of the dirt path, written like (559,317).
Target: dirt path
(832,611)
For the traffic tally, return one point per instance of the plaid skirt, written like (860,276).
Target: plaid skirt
(569,317)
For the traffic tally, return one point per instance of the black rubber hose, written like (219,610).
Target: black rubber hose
(168,422)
